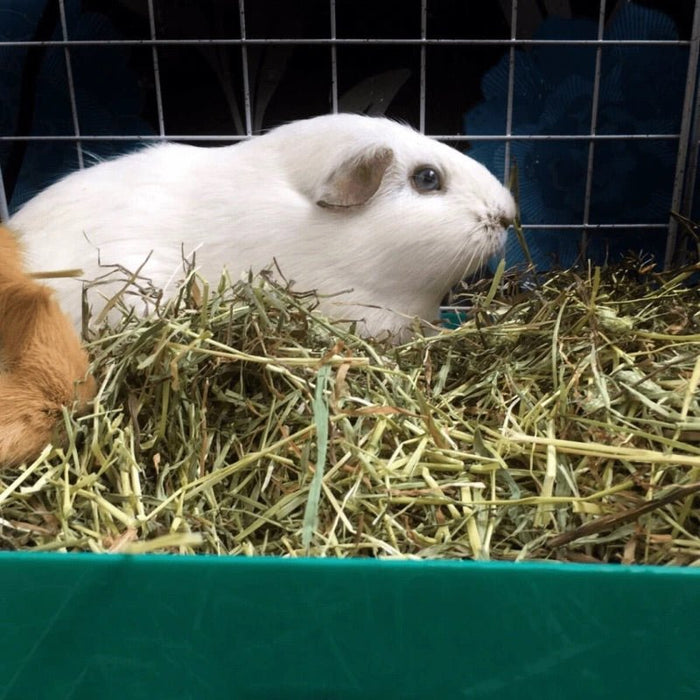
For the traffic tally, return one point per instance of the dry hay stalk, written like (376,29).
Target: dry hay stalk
(558,423)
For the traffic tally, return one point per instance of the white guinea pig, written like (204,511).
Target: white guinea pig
(339,202)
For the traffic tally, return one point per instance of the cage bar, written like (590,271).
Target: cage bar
(71,86)
(246,76)
(685,135)
(511,89)
(349,41)
(423,64)
(156,70)
(594,123)
(334,60)
(693,155)
(440,137)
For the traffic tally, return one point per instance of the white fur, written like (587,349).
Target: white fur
(244,205)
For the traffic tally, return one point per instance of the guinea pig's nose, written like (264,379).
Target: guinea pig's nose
(506,221)
(500,219)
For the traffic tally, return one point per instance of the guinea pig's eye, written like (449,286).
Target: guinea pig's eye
(426,179)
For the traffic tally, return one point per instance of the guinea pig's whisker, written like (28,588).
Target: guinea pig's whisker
(467,255)
(460,266)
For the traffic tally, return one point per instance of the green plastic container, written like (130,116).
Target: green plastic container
(114,626)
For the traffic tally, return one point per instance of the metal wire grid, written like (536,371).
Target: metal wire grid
(688,137)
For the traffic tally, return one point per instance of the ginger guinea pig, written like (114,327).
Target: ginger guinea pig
(339,202)
(43,366)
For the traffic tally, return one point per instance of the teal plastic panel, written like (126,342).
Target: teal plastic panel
(84,626)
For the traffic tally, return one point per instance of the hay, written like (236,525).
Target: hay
(561,423)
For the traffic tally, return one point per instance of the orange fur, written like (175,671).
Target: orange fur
(43,366)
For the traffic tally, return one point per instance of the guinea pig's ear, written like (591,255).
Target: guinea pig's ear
(355,181)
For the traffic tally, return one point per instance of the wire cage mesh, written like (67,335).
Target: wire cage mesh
(593,108)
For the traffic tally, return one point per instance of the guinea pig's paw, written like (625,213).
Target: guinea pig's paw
(25,429)
(31,415)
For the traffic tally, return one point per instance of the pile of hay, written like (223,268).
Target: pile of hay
(557,423)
